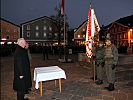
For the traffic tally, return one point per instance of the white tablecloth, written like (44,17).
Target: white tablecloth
(47,73)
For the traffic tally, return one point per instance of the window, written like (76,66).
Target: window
(50,35)
(50,28)
(44,28)
(8,28)
(15,29)
(37,27)
(14,37)
(78,36)
(44,34)
(44,21)
(83,30)
(28,27)
(37,34)
(83,36)
(28,34)
(55,34)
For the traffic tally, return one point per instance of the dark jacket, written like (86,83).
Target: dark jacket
(21,68)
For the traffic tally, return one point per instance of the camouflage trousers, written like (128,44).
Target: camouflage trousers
(100,72)
(109,72)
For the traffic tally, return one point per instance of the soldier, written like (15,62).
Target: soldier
(100,62)
(111,58)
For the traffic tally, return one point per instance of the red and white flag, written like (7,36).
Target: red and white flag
(62,8)
(92,29)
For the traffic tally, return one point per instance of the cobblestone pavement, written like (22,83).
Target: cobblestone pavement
(77,86)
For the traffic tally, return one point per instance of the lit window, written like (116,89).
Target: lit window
(37,34)
(28,34)
(78,36)
(44,21)
(83,30)
(44,34)
(37,27)
(56,34)
(8,30)
(50,28)
(83,36)
(62,35)
(44,28)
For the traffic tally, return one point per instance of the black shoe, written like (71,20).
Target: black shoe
(93,78)
(99,82)
(110,87)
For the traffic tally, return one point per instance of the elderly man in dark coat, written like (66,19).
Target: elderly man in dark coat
(22,75)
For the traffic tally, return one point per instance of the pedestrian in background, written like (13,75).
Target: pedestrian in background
(111,59)
(100,62)
(29,54)
(22,74)
(45,52)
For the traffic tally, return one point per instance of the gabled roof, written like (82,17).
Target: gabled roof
(9,22)
(127,21)
(38,19)
(80,26)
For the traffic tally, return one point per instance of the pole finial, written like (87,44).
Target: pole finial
(90,4)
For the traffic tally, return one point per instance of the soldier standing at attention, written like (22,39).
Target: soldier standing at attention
(100,62)
(111,58)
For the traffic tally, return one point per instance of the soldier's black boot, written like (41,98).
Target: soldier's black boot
(93,78)
(99,82)
(110,87)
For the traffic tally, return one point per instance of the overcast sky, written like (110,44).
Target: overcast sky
(107,11)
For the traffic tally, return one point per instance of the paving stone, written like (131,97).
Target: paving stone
(77,86)
(108,98)
(130,96)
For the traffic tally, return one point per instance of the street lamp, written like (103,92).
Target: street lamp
(130,37)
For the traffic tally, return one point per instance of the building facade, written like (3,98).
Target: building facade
(10,32)
(122,34)
(42,30)
(79,34)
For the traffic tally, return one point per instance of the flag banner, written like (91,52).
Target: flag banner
(62,8)
(92,29)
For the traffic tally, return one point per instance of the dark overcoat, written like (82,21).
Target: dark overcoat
(21,68)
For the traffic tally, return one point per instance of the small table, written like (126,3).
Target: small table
(46,74)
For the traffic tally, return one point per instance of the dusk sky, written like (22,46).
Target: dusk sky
(107,11)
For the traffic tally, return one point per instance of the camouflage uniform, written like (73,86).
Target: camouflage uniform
(111,58)
(100,63)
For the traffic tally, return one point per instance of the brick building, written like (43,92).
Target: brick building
(10,32)
(121,31)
